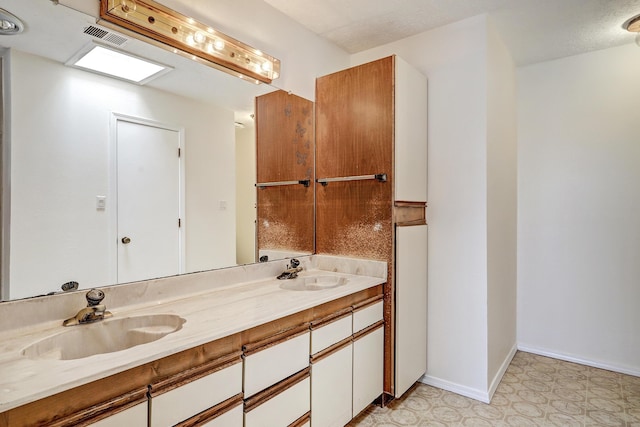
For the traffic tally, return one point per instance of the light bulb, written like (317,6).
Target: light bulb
(199,37)
(218,44)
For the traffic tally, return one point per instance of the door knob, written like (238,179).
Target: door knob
(126,240)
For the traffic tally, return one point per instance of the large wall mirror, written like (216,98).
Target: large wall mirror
(85,154)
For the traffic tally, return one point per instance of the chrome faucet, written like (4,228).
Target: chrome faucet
(291,271)
(93,312)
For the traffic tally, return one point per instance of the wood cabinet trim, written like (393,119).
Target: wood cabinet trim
(379,324)
(367,303)
(213,412)
(103,410)
(193,374)
(409,204)
(279,338)
(317,324)
(322,354)
(301,421)
(271,392)
(406,213)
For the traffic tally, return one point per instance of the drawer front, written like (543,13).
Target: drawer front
(273,364)
(368,369)
(192,398)
(367,316)
(331,389)
(135,416)
(232,418)
(330,333)
(283,409)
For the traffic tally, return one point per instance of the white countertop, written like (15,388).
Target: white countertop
(209,316)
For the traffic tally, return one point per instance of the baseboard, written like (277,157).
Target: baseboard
(503,368)
(462,390)
(580,360)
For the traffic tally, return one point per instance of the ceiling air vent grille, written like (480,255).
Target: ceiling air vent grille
(105,35)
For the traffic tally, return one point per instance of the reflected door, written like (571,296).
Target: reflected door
(148,193)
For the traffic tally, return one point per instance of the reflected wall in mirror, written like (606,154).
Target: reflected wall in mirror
(65,126)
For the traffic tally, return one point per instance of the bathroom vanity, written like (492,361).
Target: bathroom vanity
(249,350)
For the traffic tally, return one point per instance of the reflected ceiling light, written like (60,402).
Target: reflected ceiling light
(633,26)
(10,24)
(170,29)
(114,63)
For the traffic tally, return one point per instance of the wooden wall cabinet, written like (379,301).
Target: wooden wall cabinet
(371,169)
(285,157)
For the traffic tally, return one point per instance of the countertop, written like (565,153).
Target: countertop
(209,315)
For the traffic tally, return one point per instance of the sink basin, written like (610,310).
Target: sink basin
(106,336)
(313,283)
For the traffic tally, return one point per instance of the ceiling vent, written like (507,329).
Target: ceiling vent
(104,35)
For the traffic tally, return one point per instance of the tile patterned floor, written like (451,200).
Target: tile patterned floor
(535,391)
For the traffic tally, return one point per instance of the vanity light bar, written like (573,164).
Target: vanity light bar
(190,38)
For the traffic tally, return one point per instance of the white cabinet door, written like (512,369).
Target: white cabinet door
(135,416)
(331,389)
(368,369)
(411,306)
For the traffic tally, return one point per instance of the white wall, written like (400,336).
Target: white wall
(501,208)
(454,60)
(579,208)
(246,194)
(60,163)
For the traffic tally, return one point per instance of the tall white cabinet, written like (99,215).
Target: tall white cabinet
(410,226)
(371,194)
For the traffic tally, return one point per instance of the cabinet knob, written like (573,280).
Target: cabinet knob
(126,240)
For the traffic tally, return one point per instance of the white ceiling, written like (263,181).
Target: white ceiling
(533,30)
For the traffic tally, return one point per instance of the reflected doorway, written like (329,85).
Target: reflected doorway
(149,194)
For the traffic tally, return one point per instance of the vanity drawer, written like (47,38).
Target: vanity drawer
(284,404)
(180,398)
(330,331)
(367,314)
(232,418)
(272,360)
(135,416)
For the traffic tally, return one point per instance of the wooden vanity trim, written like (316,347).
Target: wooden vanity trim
(102,411)
(302,420)
(279,338)
(52,410)
(271,392)
(193,374)
(315,358)
(213,412)
(341,314)
(409,213)
(367,303)
(368,329)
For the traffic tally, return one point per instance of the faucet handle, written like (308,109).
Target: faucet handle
(294,263)
(94,297)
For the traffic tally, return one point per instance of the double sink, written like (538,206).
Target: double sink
(116,334)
